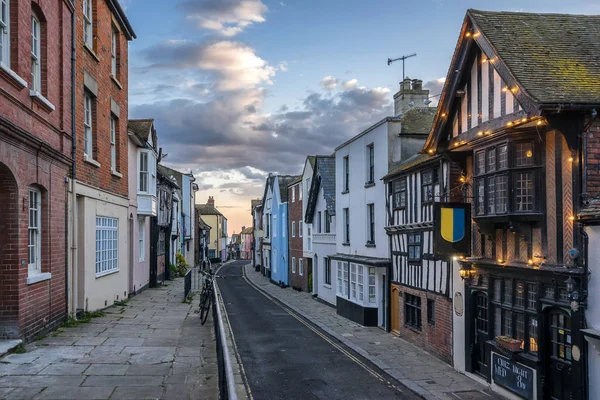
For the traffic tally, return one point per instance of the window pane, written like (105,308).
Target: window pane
(497,290)
(501,193)
(520,295)
(491,195)
(531,296)
(480,210)
(507,322)
(480,162)
(497,321)
(502,157)
(491,160)
(524,191)
(533,334)
(508,290)
(524,154)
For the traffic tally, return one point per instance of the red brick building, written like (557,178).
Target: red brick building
(298,266)
(100,266)
(35,149)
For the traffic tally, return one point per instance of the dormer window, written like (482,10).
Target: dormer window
(499,178)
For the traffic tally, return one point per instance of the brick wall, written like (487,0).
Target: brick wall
(437,337)
(593,161)
(96,62)
(295,245)
(35,148)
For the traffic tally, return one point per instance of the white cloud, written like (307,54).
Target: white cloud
(227,17)
(329,82)
(349,84)
(283,66)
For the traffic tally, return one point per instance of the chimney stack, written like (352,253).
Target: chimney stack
(211,201)
(410,95)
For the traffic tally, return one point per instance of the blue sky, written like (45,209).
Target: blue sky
(241,88)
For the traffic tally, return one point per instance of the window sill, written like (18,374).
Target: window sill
(370,245)
(345,192)
(327,286)
(114,271)
(116,81)
(44,102)
(38,277)
(413,328)
(346,244)
(91,51)
(116,173)
(369,184)
(14,78)
(90,160)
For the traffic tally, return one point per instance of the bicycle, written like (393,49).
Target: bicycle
(206,296)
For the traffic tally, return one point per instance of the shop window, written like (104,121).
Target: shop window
(560,327)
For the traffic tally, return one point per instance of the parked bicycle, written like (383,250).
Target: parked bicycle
(206,296)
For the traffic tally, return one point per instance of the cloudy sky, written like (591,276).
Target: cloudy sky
(241,88)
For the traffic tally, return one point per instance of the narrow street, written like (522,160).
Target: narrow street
(285,359)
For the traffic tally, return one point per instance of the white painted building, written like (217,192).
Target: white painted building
(320,216)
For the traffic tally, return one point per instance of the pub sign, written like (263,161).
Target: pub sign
(452,229)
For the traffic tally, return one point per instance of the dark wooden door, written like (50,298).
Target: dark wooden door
(395,310)
(153,251)
(480,331)
(559,376)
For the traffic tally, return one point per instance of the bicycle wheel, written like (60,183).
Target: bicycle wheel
(206,309)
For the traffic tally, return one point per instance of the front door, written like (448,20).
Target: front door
(559,376)
(480,357)
(395,310)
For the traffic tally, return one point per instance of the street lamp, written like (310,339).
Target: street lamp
(465,271)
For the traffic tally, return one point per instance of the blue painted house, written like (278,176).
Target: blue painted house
(277,195)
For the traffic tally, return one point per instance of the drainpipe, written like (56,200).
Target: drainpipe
(74,276)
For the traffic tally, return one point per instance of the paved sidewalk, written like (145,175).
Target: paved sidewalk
(153,347)
(418,370)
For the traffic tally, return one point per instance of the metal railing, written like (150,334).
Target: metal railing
(226,378)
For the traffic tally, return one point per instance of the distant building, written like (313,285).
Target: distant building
(246,247)
(298,267)
(217,245)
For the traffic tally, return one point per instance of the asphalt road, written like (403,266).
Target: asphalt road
(284,359)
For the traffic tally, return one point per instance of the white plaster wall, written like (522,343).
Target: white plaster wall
(458,321)
(359,196)
(322,250)
(306,175)
(97,293)
(593,311)
(141,268)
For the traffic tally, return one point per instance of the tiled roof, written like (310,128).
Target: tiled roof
(167,174)
(207,209)
(409,163)
(246,231)
(202,224)
(141,127)
(326,170)
(554,57)
(170,172)
(418,120)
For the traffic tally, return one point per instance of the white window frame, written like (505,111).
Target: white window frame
(107,245)
(5,33)
(88,127)
(327,271)
(113,142)
(293,265)
(360,283)
(339,278)
(372,285)
(36,50)
(293,228)
(113,53)
(300,228)
(274,227)
(309,237)
(301,266)
(283,227)
(353,281)
(144,176)
(142,238)
(345,279)
(88,23)
(300,190)
(294,193)
(34,228)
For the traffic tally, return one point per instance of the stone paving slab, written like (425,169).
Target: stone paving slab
(153,347)
(421,372)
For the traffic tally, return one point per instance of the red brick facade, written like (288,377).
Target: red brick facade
(35,147)
(106,91)
(297,281)
(434,336)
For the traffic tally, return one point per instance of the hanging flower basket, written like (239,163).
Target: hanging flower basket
(509,343)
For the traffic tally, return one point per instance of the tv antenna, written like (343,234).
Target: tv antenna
(390,61)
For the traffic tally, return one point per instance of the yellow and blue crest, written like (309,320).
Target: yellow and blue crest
(452,223)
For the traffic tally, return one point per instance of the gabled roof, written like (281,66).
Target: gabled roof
(165,173)
(410,163)
(323,176)
(268,184)
(142,129)
(170,172)
(549,61)
(207,209)
(554,57)
(202,224)
(246,231)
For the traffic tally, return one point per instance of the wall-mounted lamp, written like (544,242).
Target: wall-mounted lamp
(465,271)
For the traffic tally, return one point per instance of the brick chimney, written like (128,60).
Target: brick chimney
(211,201)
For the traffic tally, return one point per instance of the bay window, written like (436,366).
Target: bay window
(143,172)
(503,169)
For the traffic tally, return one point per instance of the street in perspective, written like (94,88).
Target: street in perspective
(275,199)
